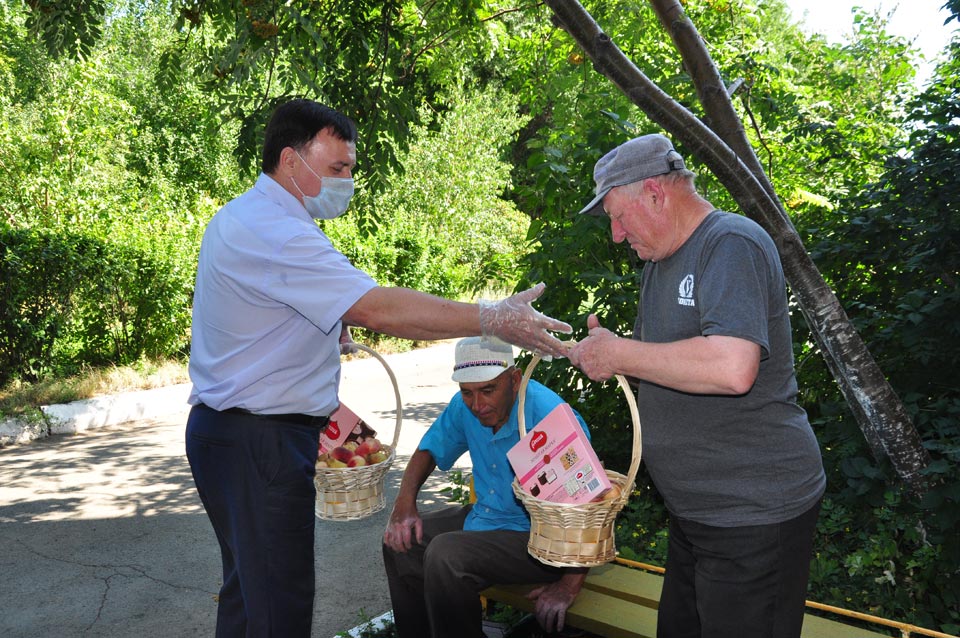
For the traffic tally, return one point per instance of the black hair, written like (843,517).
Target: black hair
(296,122)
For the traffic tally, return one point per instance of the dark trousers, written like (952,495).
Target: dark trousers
(255,478)
(435,587)
(736,582)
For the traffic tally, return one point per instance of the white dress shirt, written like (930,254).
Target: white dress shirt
(271,290)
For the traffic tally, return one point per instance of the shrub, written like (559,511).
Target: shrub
(73,300)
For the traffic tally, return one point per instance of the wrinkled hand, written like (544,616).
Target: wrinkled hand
(347,345)
(592,355)
(402,531)
(515,321)
(552,602)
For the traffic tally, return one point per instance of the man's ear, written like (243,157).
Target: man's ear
(288,159)
(653,188)
(516,376)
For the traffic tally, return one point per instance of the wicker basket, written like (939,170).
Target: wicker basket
(577,534)
(352,493)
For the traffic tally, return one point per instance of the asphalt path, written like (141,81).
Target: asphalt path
(102,533)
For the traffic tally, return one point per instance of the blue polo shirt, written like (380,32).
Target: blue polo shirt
(271,290)
(457,431)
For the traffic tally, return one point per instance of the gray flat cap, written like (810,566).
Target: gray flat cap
(638,159)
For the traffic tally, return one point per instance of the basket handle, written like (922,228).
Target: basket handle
(396,390)
(631,401)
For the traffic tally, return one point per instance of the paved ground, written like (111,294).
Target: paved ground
(102,533)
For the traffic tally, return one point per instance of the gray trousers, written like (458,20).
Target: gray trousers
(435,587)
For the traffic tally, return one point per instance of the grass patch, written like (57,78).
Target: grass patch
(19,397)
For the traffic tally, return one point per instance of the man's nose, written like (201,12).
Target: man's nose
(472,403)
(477,405)
(617,232)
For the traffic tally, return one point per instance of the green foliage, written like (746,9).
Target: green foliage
(98,148)
(459,490)
(827,124)
(376,61)
(138,307)
(67,28)
(114,155)
(641,527)
(444,226)
(73,299)
(894,255)
(106,186)
(885,561)
(23,59)
(40,276)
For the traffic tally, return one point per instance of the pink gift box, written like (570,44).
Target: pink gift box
(343,423)
(555,461)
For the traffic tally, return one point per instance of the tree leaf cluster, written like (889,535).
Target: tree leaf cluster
(893,251)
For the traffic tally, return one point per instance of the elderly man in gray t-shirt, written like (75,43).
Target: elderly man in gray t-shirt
(725,442)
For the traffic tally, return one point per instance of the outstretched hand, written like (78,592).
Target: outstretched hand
(593,355)
(515,321)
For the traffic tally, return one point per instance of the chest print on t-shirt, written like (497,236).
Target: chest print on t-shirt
(685,292)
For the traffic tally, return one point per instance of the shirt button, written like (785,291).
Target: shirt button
(491,491)
(493,465)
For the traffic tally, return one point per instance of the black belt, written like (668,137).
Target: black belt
(297,419)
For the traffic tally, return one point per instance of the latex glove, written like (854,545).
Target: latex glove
(515,321)
(402,530)
(347,344)
(593,354)
(552,602)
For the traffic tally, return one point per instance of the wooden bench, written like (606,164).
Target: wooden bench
(619,601)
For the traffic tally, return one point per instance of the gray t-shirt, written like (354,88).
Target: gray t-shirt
(727,460)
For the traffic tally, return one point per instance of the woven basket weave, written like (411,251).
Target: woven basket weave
(352,493)
(577,534)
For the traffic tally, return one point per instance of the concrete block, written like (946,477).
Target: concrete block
(80,416)
(14,431)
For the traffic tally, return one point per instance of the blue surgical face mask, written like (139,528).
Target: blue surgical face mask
(333,198)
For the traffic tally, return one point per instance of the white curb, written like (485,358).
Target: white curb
(98,412)
(383,620)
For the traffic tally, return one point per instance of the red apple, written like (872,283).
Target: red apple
(342,454)
(356,461)
(368,447)
(362,450)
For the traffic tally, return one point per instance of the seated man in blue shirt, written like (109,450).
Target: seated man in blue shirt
(437,564)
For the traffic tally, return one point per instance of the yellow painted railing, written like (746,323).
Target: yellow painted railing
(906,630)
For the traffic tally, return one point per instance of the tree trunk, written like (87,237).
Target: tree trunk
(814,293)
(877,408)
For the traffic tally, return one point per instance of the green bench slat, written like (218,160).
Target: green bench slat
(819,627)
(621,602)
(592,611)
(633,585)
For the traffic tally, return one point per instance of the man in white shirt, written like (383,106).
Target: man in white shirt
(272,304)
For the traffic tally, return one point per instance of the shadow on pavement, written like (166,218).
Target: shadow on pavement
(103,535)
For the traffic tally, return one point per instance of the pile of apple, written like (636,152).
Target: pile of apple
(355,453)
